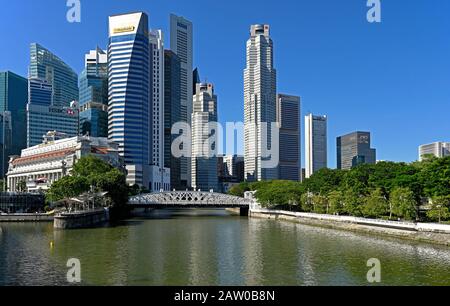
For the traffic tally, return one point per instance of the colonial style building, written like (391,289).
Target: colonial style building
(40,166)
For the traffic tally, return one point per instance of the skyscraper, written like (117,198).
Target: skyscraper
(47,66)
(171,115)
(93,84)
(52,96)
(288,114)
(13,100)
(354,149)
(259,103)
(204,139)
(436,149)
(129,93)
(315,144)
(159,175)
(181,42)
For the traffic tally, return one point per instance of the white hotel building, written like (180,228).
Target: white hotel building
(42,165)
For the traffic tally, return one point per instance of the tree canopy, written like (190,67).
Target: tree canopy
(386,189)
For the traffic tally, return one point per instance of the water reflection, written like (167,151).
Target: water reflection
(194,247)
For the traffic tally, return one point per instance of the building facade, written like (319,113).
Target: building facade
(204,139)
(93,92)
(159,174)
(355,149)
(259,103)
(42,119)
(129,79)
(47,66)
(42,165)
(288,115)
(436,149)
(181,42)
(13,101)
(172,104)
(316,147)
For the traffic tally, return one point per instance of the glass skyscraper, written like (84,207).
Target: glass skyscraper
(172,105)
(13,100)
(130,94)
(52,96)
(47,66)
(354,149)
(93,85)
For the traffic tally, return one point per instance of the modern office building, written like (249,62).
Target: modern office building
(40,92)
(45,65)
(316,147)
(259,104)
(130,94)
(288,115)
(93,92)
(195,80)
(354,149)
(436,149)
(13,101)
(43,119)
(172,105)
(181,42)
(234,167)
(159,175)
(204,139)
(42,165)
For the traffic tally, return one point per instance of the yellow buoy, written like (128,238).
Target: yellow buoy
(52,245)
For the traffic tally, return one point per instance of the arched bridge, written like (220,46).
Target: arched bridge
(188,199)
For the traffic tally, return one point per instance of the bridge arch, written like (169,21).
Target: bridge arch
(188,199)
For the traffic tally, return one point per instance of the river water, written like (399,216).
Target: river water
(212,247)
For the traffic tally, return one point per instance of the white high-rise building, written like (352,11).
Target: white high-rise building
(315,144)
(259,103)
(437,149)
(204,139)
(181,43)
(159,176)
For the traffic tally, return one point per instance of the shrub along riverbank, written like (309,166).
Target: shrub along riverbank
(386,190)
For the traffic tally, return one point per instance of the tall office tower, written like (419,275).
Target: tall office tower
(181,42)
(259,103)
(204,139)
(354,149)
(171,115)
(47,66)
(13,101)
(288,115)
(234,167)
(315,144)
(195,80)
(436,149)
(93,84)
(159,175)
(52,96)
(130,94)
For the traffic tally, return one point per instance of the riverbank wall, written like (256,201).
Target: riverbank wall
(26,218)
(80,220)
(421,232)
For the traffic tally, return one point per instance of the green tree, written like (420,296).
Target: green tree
(306,202)
(239,190)
(68,187)
(336,202)
(353,203)
(403,203)
(440,209)
(376,204)
(320,204)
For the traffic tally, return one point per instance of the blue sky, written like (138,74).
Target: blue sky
(392,79)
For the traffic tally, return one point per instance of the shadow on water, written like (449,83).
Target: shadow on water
(138,217)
